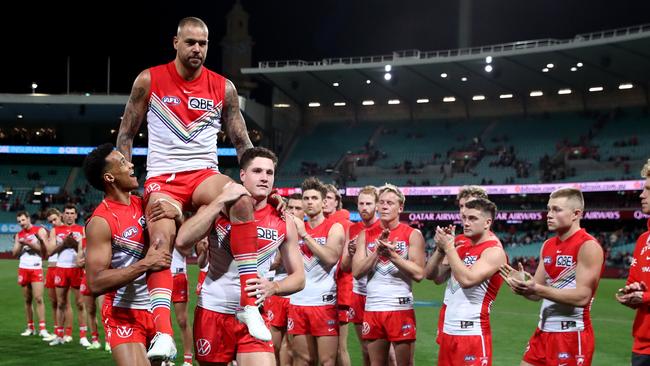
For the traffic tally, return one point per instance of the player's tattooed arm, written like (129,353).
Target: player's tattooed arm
(235,125)
(134,113)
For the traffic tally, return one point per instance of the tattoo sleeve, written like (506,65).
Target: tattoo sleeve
(235,125)
(134,113)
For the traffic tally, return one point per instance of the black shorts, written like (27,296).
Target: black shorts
(639,359)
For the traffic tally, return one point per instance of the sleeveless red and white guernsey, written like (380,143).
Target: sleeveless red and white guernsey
(68,257)
(560,262)
(320,283)
(467,311)
(183,120)
(220,291)
(387,288)
(127,226)
(29,258)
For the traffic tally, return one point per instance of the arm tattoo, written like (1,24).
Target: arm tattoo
(235,124)
(130,122)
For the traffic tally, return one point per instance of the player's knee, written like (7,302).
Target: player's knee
(242,209)
(328,360)
(80,305)
(38,299)
(303,358)
(182,322)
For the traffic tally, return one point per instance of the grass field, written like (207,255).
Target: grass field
(513,321)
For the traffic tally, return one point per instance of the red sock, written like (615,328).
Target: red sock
(95,337)
(41,325)
(243,245)
(160,290)
(68,331)
(30,325)
(59,332)
(188,358)
(82,331)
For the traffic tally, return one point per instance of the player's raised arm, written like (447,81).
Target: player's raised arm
(134,113)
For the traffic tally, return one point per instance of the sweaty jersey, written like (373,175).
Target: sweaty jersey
(29,258)
(68,257)
(183,120)
(179,263)
(560,262)
(221,290)
(467,311)
(320,283)
(127,224)
(388,289)
(359,286)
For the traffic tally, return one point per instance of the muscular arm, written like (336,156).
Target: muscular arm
(198,226)
(414,265)
(102,278)
(489,263)
(329,253)
(292,262)
(362,262)
(40,246)
(134,113)
(590,262)
(437,268)
(235,126)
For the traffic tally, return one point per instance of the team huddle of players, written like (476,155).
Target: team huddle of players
(281,281)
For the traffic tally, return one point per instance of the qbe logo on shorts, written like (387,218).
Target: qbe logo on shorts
(203,346)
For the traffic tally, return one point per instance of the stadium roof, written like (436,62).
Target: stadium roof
(606,59)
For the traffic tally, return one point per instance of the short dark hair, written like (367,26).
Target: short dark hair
(295,196)
(483,205)
(257,152)
(70,206)
(22,213)
(315,184)
(191,21)
(94,165)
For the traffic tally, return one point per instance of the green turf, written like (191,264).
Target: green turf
(513,321)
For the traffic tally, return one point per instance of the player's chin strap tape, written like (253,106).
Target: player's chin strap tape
(180,213)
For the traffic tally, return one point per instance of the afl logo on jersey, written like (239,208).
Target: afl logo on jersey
(200,104)
(130,232)
(171,100)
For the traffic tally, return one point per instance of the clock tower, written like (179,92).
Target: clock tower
(237,49)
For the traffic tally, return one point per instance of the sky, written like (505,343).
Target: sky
(136,35)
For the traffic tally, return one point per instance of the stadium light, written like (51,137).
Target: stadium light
(464,78)
(368,81)
(545,69)
(488,68)
(574,69)
(478,97)
(388,76)
(34,86)
(393,101)
(339,104)
(564,91)
(19,116)
(505,96)
(536,93)
(281,105)
(422,101)
(488,60)
(550,66)
(579,64)
(443,75)
(368,102)
(449,99)
(625,86)
(314,104)
(596,89)
(387,68)
(335,84)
